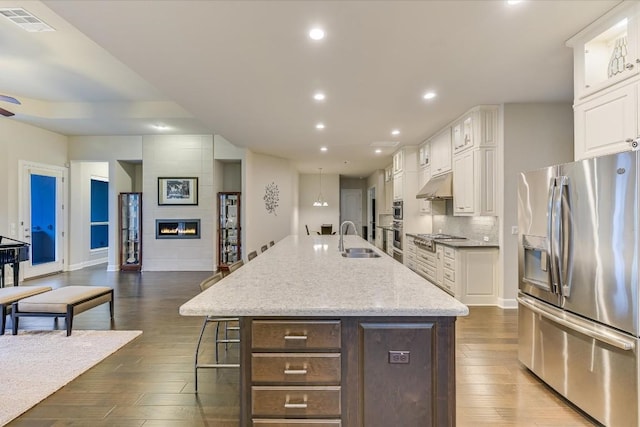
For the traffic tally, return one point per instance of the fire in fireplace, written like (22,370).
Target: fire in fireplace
(177,228)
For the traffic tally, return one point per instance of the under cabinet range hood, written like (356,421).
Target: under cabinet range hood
(437,188)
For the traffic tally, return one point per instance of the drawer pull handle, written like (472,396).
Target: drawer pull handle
(295,372)
(295,337)
(295,405)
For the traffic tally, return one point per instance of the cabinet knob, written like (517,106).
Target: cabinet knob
(629,66)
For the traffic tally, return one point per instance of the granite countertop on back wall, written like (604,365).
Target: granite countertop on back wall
(461,244)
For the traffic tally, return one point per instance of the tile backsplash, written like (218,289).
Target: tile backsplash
(474,227)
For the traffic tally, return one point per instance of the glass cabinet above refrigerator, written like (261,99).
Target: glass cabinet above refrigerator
(229,240)
(130,212)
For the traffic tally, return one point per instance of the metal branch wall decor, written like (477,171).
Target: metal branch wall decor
(271,198)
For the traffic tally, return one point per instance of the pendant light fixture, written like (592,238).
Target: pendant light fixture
(320,201)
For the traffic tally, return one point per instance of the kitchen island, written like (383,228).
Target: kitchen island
(334,341)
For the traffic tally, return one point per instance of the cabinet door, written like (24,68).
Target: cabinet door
(462,134)
(398,162)
(398,181)
(606,52)
(439,265)
(398,374)
(607,123)
(441,153)
(463,180)
(424,205)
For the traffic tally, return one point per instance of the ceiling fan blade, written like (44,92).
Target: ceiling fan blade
(6,113)
(10,99)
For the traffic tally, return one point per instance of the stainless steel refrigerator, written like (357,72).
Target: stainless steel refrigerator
(579,229)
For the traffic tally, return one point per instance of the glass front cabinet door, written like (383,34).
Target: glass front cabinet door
(229,245)
(130,211)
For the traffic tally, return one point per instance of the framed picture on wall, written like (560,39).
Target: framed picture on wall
(177,191)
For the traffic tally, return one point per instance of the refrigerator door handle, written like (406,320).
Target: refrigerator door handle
(553,270)
(563,233)
(587,328)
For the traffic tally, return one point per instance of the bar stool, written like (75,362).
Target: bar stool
(204,285)
(264,248)
(271,243)
(236,265)
(252,255)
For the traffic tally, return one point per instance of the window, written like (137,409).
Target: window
(99,213)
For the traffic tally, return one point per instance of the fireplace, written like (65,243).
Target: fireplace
(177,228)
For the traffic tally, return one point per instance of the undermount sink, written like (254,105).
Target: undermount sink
(360,253)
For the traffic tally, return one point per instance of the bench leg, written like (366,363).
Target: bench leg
(111,304)
(69,319)
(14,318)
(3,319)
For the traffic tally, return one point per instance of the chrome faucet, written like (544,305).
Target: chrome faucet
(341,242)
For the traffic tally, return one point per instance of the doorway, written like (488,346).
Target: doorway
(351,208)
(41,218)
(371,215)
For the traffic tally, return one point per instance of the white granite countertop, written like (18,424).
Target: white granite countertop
(307,276)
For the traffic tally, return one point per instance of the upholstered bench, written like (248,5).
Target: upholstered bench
(10,295)
(62,302)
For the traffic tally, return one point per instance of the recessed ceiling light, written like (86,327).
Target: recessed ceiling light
(316,34)
(378,151)
(512,2)
(319,96)
(395,132)
(429,95)
(320,126)
(160,126)
(323,148)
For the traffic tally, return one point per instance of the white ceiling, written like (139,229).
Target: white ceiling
(247,70)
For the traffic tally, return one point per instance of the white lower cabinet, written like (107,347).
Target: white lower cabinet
(410,252)
(467,274)
(389,242)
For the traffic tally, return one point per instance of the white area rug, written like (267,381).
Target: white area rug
(34,364)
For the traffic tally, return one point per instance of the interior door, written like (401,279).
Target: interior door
(41,218)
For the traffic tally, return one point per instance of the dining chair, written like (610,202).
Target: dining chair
(234,266)
(326,229)
(204,285)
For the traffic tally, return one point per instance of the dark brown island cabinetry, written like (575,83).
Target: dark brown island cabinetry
(348,372)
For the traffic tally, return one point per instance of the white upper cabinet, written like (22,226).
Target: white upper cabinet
(441,152)
(607,123)
(474,164)
(606,52)
(424,155)
(606,78)
(398,162)
(476,128)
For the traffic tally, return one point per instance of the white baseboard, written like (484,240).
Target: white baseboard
(85,264)
(113,267)
(507,303)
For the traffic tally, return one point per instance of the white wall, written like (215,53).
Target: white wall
(260,226)
(314,216)
(178,156)
(19,141)
(79,211)
(535,135)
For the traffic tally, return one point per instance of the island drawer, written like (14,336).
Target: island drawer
(296,368)
(296,423)
(295,401)
(295,335)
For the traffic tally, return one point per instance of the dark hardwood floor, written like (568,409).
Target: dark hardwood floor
(150,381)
